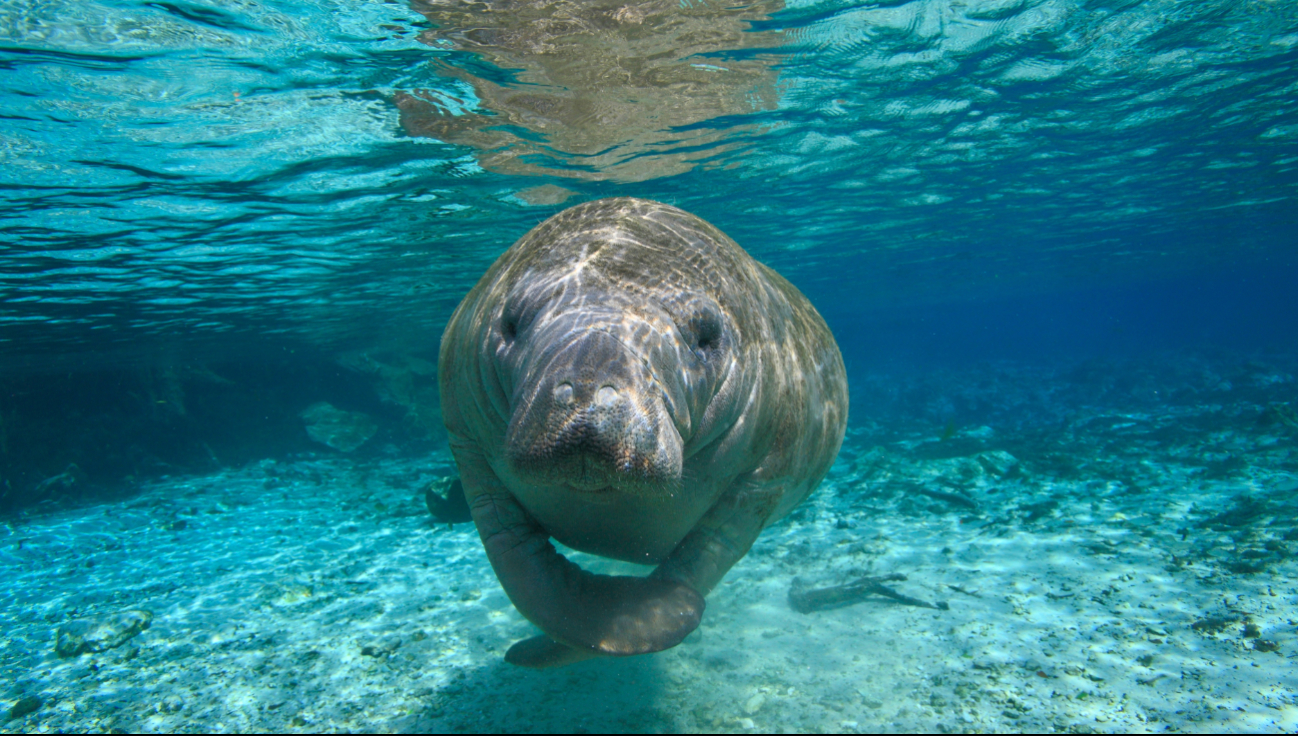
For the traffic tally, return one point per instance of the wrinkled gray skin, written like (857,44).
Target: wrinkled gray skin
(627,380)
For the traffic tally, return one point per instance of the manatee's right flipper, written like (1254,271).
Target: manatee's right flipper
(541,652)
(601,614)
(722,537)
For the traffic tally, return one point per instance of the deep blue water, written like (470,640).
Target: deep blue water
(1246,310)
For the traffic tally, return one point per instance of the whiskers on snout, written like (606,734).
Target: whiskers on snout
(609,444)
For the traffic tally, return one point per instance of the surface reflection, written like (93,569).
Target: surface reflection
(599,89)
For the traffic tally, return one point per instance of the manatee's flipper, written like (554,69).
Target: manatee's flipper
(605,614)
(541,652)
(723,536)
(452,508)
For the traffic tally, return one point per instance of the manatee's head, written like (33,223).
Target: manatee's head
(611,383)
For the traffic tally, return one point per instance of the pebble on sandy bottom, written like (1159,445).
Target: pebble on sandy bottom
(97,635)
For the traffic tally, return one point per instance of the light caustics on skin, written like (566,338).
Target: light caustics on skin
(606,424)
(641,389)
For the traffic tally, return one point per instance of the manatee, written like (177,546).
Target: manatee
(627,380)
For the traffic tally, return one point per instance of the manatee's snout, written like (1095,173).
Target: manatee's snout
(589,416)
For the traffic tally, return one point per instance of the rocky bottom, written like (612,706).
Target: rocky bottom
(1082,556)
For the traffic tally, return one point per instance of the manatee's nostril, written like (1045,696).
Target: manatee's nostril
(563,394)
(606,396)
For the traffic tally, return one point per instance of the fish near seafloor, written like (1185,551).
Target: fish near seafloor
(627,380)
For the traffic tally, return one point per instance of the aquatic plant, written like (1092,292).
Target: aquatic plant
(1284,414)
(949,430)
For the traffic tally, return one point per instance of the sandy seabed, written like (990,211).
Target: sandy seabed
(1114,571)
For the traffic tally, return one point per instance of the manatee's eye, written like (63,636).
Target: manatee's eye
(511,319)
(520,310)
(709,333)
(707,336)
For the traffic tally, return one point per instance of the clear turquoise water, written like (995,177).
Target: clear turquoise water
(1052,233)
(222,175)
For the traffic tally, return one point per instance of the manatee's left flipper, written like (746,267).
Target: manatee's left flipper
(604,614)
(451,509)
(722,537)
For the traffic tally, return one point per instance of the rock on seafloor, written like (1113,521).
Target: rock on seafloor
(342,430)
(997,462)
(97,635)
(25,705)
